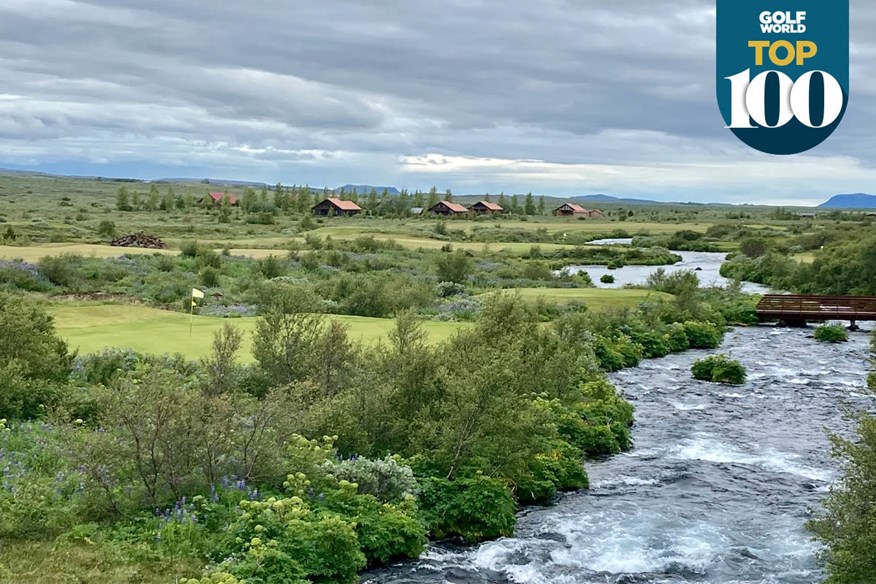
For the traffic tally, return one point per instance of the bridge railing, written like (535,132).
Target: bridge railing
(799,304)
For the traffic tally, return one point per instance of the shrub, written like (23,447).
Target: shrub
(537,271)
(609,357)
(653,343)
(210,277)
(106,228)
(474,509)
(677,338)
(385,479)
(188,249)
(271,267)
(702,335)
(453,267)
(23,276)
(831,333)
(719,369)
(62,270)
(164,263)
(448,289)
(607,279)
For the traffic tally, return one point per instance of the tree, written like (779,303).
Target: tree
(541,208)
(529,205)
(122,200)
(286,337)
(453,267)
(448,196)
(28,338)
(152,201)
(753,247)
(248,200)
(221,366)
(848,524)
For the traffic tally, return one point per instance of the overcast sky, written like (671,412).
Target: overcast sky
(558,97)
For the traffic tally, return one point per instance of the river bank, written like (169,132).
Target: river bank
(718,488)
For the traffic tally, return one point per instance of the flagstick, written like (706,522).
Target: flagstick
(191,317)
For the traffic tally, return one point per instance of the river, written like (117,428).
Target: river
(706,264)
(717,489)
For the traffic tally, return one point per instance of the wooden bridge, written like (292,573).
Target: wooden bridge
(797,310)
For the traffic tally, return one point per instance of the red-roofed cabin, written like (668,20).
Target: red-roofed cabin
(485,208)
(333,206)
(447,208)
(216,199)
(577,210)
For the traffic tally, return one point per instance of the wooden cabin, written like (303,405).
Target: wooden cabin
(447,208)
(485,208)
(333,206)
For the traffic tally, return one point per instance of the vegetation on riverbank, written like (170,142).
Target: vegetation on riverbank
(847,525)
(382,380)
(174,465)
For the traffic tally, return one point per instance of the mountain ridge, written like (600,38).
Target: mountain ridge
(851,201)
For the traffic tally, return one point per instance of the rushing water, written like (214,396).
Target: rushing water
(706,264)
(717,490)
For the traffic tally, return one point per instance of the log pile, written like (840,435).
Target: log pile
(139,240)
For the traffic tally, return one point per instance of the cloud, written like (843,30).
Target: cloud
(555,96)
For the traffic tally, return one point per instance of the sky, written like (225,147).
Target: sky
(556,97)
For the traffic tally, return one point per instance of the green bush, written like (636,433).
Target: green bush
(475,509)
(106,228)
(271,267)
(62,270)
(702,335)
(831,333)
(210,277)
(607,279)
(719,369)
(609,357)
(654,344)
(677,338)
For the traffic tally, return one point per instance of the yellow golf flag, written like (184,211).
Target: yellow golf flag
(195,294)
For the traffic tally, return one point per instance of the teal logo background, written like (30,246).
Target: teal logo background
(826,24)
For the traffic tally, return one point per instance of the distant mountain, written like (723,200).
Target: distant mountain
(614,200)
(365,189)
(856,201)
(213,181)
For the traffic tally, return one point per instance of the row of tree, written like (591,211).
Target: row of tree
(299,199)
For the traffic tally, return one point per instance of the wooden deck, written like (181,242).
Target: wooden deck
(800,309)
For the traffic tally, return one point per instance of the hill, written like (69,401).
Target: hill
(365,189)
(614,200)
(855,201)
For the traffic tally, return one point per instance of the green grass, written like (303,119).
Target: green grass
(38,562)
(594,298)
(93,327)
(33,253)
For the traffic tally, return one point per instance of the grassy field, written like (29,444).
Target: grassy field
(93,327)
(33,253)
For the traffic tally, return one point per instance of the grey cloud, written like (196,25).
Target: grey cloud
(263,85)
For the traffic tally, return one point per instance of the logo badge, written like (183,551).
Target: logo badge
(783,71)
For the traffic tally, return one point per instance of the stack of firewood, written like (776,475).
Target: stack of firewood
(139,240)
